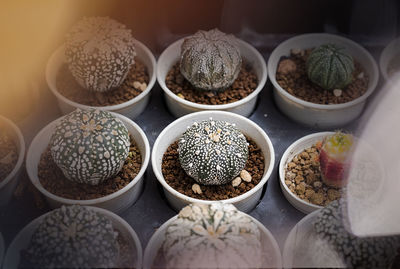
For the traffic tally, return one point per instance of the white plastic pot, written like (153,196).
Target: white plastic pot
(388,54)
(8,185)
(130,109)
(245,202)
(318,115)
(115,202)
(270,247)
(304,249)
(21,241)
(179,106)
(294,149)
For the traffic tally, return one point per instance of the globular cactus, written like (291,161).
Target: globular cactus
(210,60)
(356,252)
(334,158)
(73,237)
(99,52)
(213,152)
(90,146)
(329,67)
(212,236)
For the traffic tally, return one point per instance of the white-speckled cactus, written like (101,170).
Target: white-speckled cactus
(210,60)
(357,252)
(212,236)
(213,152)
(73,237)
(90,146)
(100,52)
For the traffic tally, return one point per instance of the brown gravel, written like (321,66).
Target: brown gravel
(53,179)
(177,178)
(245,84)
(8,153)
(292,77)
(303,177)
(68,87)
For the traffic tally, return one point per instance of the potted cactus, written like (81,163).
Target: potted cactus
(322,80)
(12,154)
(211,70)
(199,158)
(89,157)
(217,228)
(101,65)
(75,237)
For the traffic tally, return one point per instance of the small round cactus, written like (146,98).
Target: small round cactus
(73,237)
(357,252)
(100,52)
(329,67)
(210,60)
(213,152)
(212,236)
(90,146)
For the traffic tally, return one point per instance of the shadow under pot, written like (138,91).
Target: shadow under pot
(88,73)
(211,70)
(113,243)
(12,154)
(322,80)
(213,156)
(89,157)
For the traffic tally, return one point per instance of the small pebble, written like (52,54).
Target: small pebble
(287,66)
(196,189)
(337,92)
(245,176)
(181,96)
(143,86)
(297,51)
(137,85)
(236,182)
(361,75)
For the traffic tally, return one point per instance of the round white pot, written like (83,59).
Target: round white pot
(115,202)
(304,249)
(317,115)
(388,54)
(8,185)
(270,247)
(179,107)
(131,108)
(21,241)
(2,249)
(294,149)
(174,131)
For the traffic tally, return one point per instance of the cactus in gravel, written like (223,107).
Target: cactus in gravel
(210,60)
(73,237)
(356,252)
(90,146)
(334,158)
(329,67)
(100,52)
(212,236)
(213,152)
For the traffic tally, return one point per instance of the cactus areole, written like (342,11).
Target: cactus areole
(329,67)
(90,146)
(334,158)
(74,237)
(212,236)
(213,152)
(210,60)
(99,52)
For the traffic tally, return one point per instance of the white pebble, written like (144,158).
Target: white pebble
(236,182)
(337,92)
(361,75)
(143,87)
(137,85)
(196,189)
(245,175)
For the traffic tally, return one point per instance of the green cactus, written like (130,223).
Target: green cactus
(210,60)
(73,237)
(90,146)
(329,67)
(213,152)
(100,52)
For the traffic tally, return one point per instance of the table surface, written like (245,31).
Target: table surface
(152,210)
